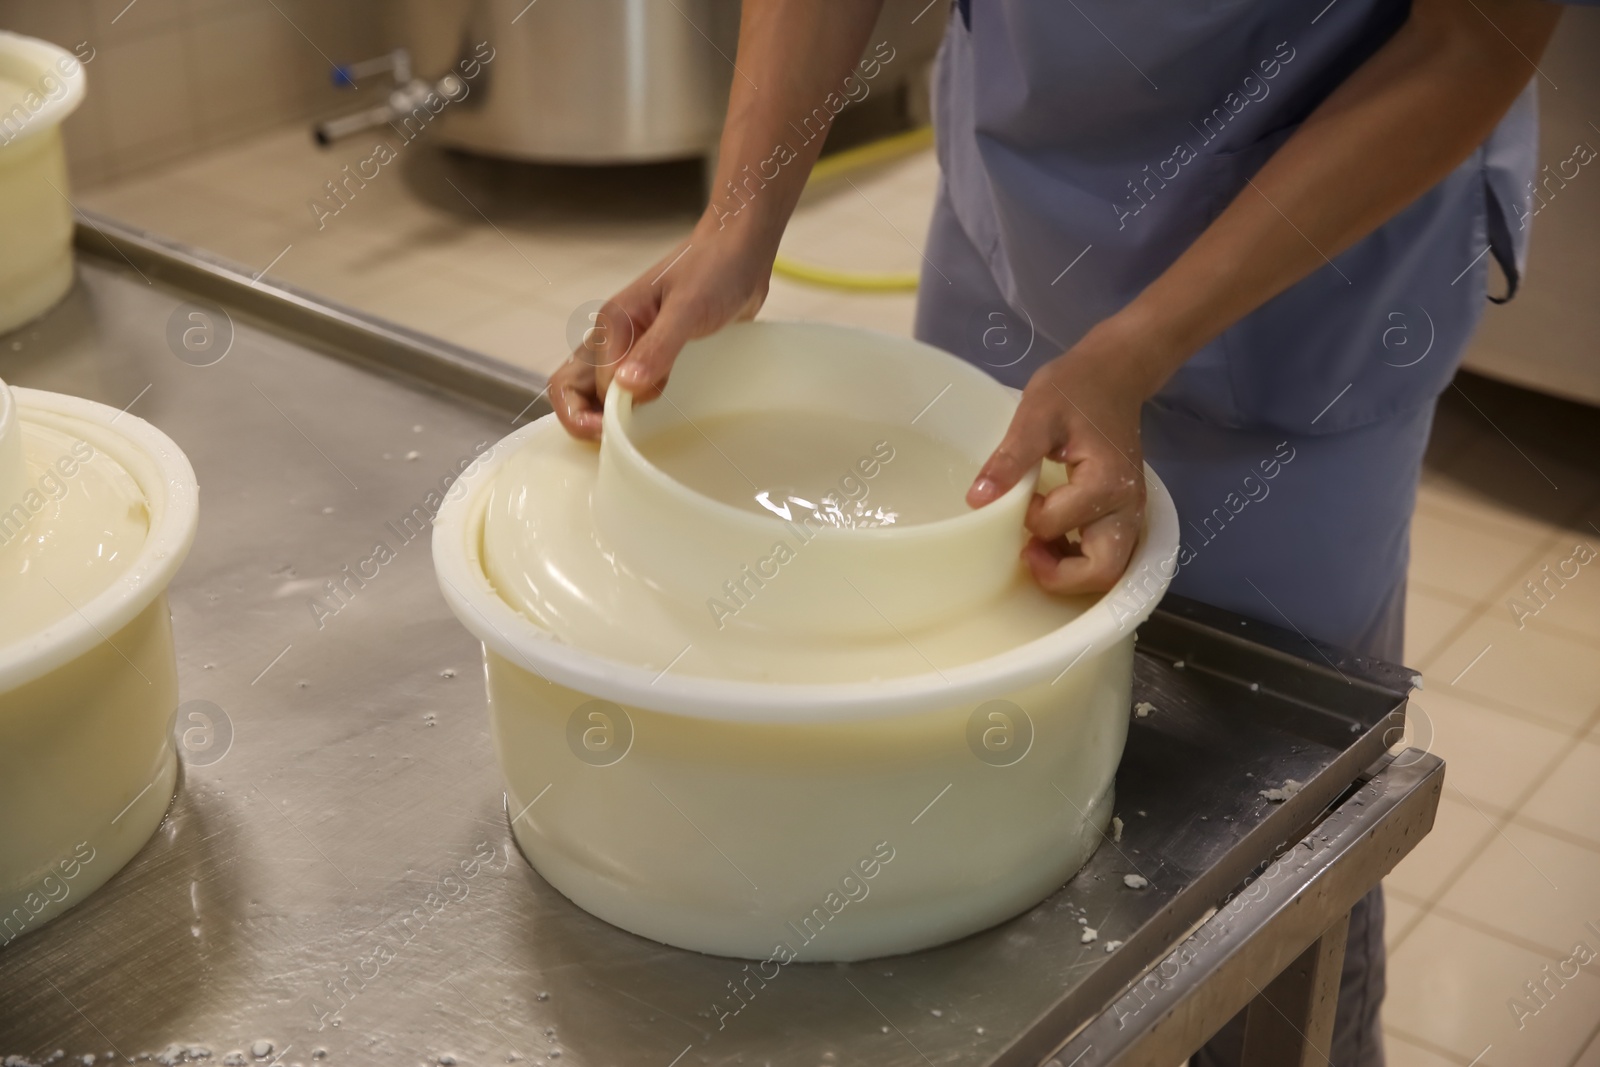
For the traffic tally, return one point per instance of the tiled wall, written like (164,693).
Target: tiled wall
(168,78)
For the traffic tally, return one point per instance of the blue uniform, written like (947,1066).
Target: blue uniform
(1083,145)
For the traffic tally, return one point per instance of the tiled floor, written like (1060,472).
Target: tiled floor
(1508,881)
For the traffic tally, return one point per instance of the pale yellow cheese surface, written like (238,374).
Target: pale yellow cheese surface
(76,527)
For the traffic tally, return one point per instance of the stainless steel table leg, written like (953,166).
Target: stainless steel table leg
(1290,1022)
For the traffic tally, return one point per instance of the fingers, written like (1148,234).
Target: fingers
(617,329)
(1069,413)
(661,317)
(1094,564)
(644,371)
(612,337)
(576,400)
(1026,442)
(633,340)
(1098,486)
(1104,501)
(610,333)
(637,335)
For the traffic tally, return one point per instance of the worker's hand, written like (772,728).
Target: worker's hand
(714,277)
(1082,410)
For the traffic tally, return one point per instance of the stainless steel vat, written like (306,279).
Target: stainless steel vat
(581,81)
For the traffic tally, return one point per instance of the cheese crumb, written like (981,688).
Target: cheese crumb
(1089,934)
(1143,709)
(1279,795)
(1134,881)
(1116,829)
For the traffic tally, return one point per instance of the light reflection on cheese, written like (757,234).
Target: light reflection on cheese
(546,559)
(76,527)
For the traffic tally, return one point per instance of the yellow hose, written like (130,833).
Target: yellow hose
(867,155)
(833,278)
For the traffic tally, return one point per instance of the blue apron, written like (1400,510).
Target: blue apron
(1083,145)
(1118,131)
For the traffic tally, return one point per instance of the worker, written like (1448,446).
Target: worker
(1246,240)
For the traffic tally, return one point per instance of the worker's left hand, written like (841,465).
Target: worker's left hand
(1081,410)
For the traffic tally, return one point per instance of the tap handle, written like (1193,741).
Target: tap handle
(397,62)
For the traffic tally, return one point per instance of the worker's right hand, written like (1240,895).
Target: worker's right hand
(715,276)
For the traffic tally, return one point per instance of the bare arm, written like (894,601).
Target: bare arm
(793,55)
(1398,125)
(1402,122)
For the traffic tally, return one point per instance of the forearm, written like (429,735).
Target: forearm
(793,54)
(1397,126)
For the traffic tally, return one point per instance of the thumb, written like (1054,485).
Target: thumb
(1019,452)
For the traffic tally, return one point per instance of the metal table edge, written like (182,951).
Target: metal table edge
(332,328)
(1258,933)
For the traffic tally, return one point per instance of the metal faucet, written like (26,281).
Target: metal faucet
(408,94)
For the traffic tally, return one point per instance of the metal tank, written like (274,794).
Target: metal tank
(591,81)
(580,81)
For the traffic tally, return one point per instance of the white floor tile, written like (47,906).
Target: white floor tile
(1470,560)
(1569,798)
(1544,676)
(1399,1052)
(1535,888)
(1452,986)
(1492,757)
(1431,618)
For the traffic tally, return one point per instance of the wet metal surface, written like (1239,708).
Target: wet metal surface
(342,877)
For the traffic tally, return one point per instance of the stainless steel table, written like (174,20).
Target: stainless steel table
(337,767)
